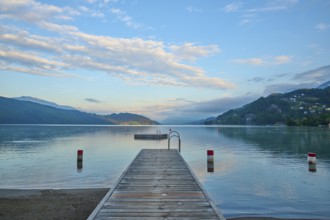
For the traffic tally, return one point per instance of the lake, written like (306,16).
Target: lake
(258,171)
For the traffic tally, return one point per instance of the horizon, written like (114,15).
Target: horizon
(165,61)
(173,122)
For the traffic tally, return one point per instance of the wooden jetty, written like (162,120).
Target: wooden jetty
(158,184)
(150,136)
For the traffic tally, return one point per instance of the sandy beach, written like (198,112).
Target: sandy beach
(49,204)
(64,204)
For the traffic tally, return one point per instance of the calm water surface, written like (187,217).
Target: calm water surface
(258,171)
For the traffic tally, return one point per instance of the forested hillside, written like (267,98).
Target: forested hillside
(310,107)
(14,111)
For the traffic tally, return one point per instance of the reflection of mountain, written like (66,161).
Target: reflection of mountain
(14,111)
(286,140)
(40,132)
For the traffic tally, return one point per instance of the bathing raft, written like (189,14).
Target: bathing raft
(150,136)
(158,184)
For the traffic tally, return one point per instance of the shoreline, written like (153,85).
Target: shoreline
(61,204)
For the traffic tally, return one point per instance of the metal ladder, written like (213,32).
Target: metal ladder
(170,135)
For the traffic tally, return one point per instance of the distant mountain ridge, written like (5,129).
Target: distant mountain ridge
(15,111)
(44,102)
(324,85)
(208,121)
(129,119)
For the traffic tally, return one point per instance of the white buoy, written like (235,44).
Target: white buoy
(311,158)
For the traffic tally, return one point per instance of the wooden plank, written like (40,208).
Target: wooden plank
(158,184)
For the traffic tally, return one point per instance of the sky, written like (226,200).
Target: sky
(172,61)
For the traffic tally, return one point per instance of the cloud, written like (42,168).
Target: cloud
(249,18)
(32,11)
(35,71)
(192,9)
(33,63)
(180,100)
(92,100)
(90,12)
(191,52)
(250,61)
(282,59)
(233,7)
(61,29)
(25,41)
(257,79)
(145,61)
(249,14)
(315,76)
(322,27)
(192,111)
(276,5)
(206,82)
(220,105)
(134,60)
(286,87)
(126,19)
(278,60)
(308,79)
(30,59)
(246,21)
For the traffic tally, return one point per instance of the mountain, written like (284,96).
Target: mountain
(310,107)
(14,111)
(129,119)
(324,85)
(208,121)
(44,102)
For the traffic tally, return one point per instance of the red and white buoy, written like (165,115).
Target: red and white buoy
(210,161)
(210,155)
(311,158)
(80,155)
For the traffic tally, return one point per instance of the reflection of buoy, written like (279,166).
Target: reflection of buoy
(79,165)
(312,167)
(311,158)
(210,161)
(80,155)
(210,167)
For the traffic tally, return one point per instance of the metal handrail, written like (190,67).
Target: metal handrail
(174,135)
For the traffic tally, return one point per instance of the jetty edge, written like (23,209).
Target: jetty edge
(157,184)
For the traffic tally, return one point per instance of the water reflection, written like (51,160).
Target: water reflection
(80,160)
(256,170)
(210,166)
(312,167)
(278,140)
(79,166)
(210,161)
